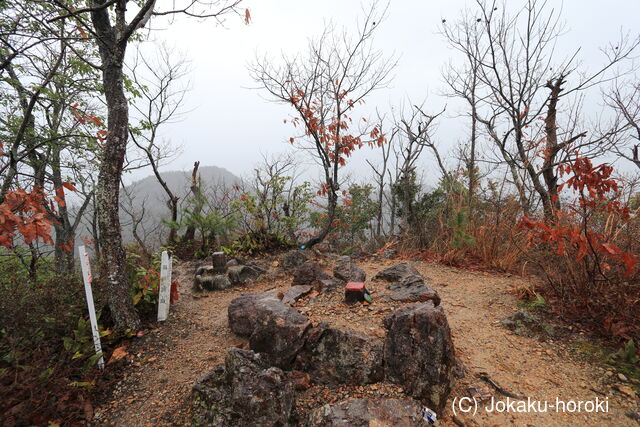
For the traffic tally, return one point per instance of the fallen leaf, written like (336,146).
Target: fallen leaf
(118,354)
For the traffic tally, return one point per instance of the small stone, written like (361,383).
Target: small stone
(368,412)
(622,377)
(626,390)
(301,380)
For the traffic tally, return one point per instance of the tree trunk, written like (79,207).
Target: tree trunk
(533,174)
(551,149)
(173,205)
(63,250)
(190,234)
(471,164)
(332,204)
(113,258)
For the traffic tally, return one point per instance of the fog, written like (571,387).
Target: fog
(230,123)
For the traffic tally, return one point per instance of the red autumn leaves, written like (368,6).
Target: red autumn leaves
(332,133)
(573,227)
(25,213)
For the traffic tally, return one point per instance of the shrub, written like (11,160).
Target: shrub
(587,253)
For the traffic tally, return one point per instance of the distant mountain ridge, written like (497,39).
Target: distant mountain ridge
(150,192)
(179,182)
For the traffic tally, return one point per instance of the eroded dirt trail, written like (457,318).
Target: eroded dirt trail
(196,337)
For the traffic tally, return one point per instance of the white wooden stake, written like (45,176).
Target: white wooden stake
(86,275)
(164,293)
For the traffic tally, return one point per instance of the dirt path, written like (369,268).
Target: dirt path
(196,337)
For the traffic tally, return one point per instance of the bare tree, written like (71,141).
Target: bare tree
(464,82)
(522,81)
(158,84)
(136,211)
(198,201)
(624,99)
(380,175)
(324,86)
(415,134)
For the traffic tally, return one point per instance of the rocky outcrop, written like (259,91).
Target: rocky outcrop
(273,327)
(292,259)
(309,273)
(347,271)
(396,272)
(245,391)
(294,293)
(419,353)
(242,274)
(341,356)
(368,412)
(412,288)
(327,285)
(207,279)
(279,332)
(243,312)
(210,278)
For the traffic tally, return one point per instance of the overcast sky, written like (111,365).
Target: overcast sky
(231,125)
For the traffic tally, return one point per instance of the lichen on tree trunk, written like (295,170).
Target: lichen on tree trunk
(113,257)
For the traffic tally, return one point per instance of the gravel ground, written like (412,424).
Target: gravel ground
(162,366)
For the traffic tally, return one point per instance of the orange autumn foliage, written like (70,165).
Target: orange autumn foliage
(588,253)
(594,185)
(24,213)
(333,136)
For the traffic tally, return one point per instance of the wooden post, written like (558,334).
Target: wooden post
(164,293)
(86,276)
(219,262)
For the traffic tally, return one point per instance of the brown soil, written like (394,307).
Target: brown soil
(163,365)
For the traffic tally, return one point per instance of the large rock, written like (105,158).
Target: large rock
(327,285)
(246,391)
(207,278)
(396,272)
(341,356)
(413,289)
(309,273)
(419,353)
(243,312)
(368,412)
(241,274)
(279,332)
(294,293)
(205,270)
(348,271)
(216,283)
(293,259)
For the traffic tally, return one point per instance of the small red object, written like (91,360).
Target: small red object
(355,286)
(354,292)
